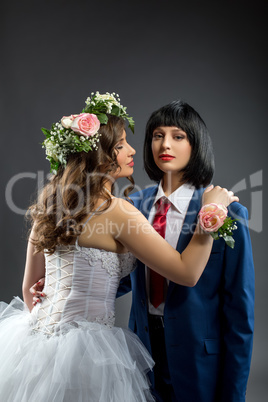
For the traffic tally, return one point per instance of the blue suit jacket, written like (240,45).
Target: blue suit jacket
(209,327)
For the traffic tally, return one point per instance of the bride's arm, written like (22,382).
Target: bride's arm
(139,237)
(34,270)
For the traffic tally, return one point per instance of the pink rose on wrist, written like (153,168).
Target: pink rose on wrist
(212,217)
(86,124)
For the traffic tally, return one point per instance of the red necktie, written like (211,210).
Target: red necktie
(157,281)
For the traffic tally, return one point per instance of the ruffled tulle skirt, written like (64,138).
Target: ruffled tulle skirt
(85,362)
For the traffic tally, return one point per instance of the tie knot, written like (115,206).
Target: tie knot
(163,206)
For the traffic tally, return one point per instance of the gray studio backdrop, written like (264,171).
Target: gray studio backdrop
(210,54)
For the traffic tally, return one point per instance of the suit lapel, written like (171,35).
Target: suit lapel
(149,201)
(188,227)
(145,208)
(189,221)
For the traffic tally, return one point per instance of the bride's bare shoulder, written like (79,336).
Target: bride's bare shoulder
(123,207)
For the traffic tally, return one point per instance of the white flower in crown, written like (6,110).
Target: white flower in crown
(103,104)
(107,98)
(51,149)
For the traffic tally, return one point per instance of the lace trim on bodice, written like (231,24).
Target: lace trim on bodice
(113,263)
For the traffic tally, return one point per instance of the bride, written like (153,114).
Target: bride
(84,240)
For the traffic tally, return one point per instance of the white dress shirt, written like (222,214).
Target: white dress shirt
(179,201)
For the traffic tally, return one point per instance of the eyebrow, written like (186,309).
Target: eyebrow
(173,130)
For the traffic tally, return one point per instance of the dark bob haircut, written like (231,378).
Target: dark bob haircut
(200,169)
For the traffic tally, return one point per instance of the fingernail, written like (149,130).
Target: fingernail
(42,294)
(38,282)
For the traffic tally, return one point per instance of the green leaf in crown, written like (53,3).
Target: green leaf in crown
(102,118)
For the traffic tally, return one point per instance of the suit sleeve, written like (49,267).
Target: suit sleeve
(124,286)
(238,312)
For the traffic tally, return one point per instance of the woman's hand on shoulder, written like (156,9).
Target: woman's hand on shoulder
(218,195)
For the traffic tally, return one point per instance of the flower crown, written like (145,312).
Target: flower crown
(79,132)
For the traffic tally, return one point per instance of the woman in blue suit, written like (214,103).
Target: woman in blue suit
(200,337)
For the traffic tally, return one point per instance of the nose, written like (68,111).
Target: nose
(132,151)
(166,142)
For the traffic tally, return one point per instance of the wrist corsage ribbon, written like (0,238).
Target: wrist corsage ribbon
(213,219)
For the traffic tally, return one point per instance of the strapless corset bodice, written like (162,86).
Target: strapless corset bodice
(81,284)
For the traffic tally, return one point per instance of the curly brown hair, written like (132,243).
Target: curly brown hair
(72,193)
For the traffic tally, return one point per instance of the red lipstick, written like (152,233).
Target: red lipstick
(166,157)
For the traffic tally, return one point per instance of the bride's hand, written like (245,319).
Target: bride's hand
(37,291)
(218,195)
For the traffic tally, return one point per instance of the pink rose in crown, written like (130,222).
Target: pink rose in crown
(212,216)
(86,124)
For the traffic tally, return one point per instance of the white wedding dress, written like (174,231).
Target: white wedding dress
(67,349)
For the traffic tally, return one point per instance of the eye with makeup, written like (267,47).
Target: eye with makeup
(179,134)
(119,145)
(157,135)
(179,137)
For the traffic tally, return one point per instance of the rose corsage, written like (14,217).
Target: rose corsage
(214,220)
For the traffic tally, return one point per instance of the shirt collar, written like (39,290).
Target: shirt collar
(180,198)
